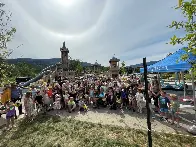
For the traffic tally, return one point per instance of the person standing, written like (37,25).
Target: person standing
(6,95)
(10,114)
(164,104)
(16,95)
(155,88)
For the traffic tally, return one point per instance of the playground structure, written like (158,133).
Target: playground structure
(60,69)
(114,67)
(96,67)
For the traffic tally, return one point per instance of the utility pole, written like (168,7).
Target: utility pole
(147,103)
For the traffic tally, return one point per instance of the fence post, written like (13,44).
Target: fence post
(147,103)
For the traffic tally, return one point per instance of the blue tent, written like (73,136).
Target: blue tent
(172,63)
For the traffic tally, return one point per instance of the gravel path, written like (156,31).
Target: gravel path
(123,119)
(117,118)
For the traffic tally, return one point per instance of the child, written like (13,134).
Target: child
(39,101)
(10,114)
(79,96)
(66,99)
(91,94)
(71,105)
(140,100)
(174,109)
(123,98)
(47,102)
(132,100)
(28,104)
(164,103)
(112,100)
(57,103)
(82,105)
(86,99)
(151,104)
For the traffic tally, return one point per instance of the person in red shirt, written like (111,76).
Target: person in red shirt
(49,92)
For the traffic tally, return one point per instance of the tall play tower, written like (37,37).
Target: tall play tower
(114,67)
(64,60)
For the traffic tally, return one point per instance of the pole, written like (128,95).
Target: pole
(192,129)
(184,84)
(159,79)
(193,87)
(147,104)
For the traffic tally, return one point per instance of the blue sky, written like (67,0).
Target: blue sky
(94,29)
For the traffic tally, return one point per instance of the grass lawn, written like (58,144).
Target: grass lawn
(48,131)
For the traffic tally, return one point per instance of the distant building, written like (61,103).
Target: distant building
(96,67)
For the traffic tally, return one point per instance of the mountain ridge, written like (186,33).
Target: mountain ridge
(52,61)
(46,62)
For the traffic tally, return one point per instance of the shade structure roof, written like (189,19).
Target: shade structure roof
(96,64)
(114,59)
(173,63)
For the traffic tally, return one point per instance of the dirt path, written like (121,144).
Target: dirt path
(117,118)
(124,119)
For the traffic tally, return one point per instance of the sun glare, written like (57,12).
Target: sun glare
(66,3)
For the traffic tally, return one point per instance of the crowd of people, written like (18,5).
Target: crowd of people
(91,92)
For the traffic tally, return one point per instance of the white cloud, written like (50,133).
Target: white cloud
(153,52)
(93,30)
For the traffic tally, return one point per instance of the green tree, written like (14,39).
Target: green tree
(129,70)
(73,64)
(123,68)
(6,34)
(22,69)
(78,67)
(188,9)
(105,69)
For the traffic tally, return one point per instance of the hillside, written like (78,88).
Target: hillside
(41,62)
(46,62)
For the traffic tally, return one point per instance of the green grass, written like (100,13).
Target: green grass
(48,131)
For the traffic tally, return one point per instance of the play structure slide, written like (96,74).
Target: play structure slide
(47,68)
(38,77)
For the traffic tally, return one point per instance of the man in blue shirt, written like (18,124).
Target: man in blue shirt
(16,95)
